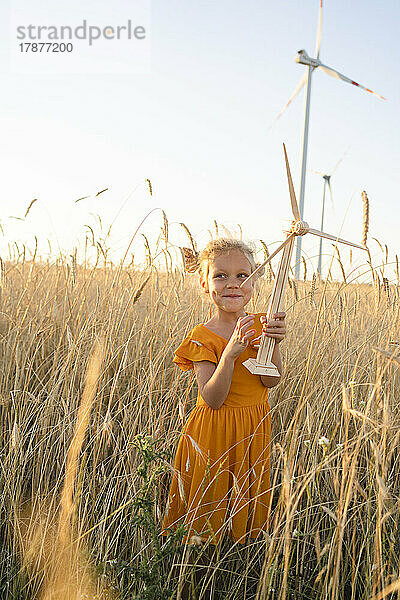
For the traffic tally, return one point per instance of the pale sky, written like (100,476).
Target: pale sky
(196,122)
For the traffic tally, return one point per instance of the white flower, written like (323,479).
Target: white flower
(323,441)
(196,540)
(307,443)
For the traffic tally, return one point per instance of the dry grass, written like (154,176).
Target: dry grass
(336,422)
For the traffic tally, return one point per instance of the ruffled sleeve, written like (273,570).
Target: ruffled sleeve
(193,350)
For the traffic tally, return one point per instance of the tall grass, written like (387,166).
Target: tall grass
(335,477)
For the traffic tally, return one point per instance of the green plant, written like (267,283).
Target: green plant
(147,576)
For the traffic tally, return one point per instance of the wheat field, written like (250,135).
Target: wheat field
(91,410)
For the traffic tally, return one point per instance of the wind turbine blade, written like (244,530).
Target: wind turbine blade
(318,43)
(296,91)
(330,192)
(295,208)
(334,73)
(339,161)
(270,257)
(334,238)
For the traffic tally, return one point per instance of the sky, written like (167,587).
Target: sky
(191,110)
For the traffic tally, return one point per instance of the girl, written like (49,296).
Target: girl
(221,481)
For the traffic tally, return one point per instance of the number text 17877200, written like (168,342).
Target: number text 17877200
(46,47)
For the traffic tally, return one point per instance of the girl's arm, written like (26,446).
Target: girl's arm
(215,380)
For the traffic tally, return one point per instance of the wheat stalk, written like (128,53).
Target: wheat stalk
(148,251)
(305,268)
(270,272)
(386,287)
(365,217)
(296,295)
(2,273)
(165,229)
(73,257)
(312,290)
(82,423)
(191,239)
(139,292)
(340,263)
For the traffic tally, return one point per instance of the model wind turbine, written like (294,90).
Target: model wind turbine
(262,365)
(327,183)
(312,63)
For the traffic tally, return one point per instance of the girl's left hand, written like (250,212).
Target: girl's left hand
(275,327)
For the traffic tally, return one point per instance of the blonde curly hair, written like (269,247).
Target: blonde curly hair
(195,261)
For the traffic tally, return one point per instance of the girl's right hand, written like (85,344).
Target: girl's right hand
(240,337)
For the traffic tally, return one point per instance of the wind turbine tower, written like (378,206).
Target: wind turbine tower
(312,63)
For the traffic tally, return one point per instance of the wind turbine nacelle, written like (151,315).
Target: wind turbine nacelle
(303,58)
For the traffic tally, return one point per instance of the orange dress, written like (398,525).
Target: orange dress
(221,480)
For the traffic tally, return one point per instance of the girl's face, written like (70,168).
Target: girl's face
(226,273)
